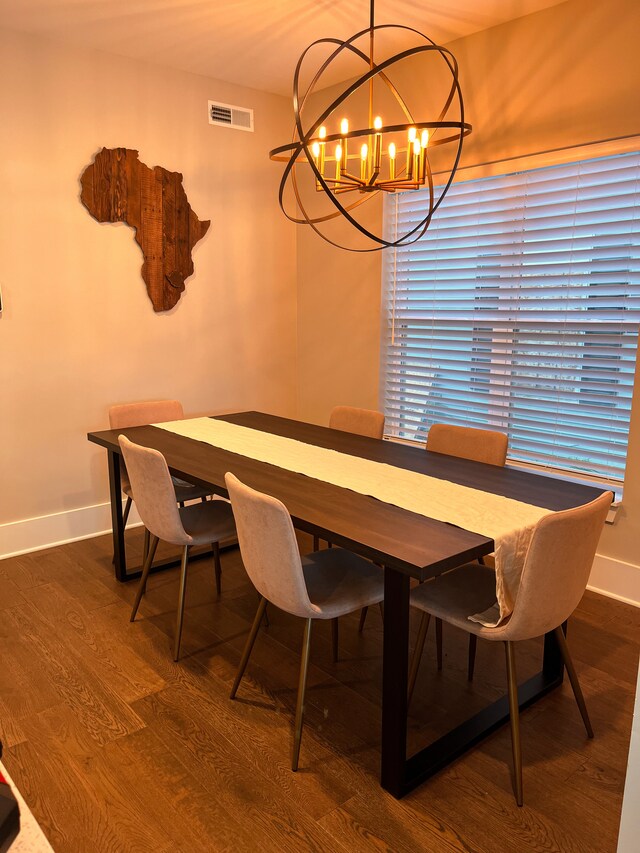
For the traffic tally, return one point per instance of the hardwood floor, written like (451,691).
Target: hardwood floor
(116,748)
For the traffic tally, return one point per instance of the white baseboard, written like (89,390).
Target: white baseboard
(47,531)
(609,577)
(615,579)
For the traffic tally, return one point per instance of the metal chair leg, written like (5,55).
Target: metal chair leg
(145,573)
(573,678)
(363,619)
(473,642)
(514,714)
(334,639)
(181,597)
(316,543)
(417,654)
(302,686)
(253,633)
(439,643)
(218,567)
(145,545)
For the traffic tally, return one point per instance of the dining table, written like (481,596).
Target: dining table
(410,546)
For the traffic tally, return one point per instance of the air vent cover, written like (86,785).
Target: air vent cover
(227,115)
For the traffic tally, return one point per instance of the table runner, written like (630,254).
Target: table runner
(507,521)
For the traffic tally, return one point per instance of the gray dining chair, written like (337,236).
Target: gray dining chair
(478,445)
(126,415)
(322,585)
(206,523)
(554,577)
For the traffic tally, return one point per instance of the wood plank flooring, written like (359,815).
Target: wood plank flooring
(117,749)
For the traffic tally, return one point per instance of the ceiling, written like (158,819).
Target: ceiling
(249,42)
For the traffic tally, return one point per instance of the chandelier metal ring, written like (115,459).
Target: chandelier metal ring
(306,145)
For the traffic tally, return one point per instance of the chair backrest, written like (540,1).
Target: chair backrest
(269,548)
(141,414)
(358,421)
(153,492)
(556,568)
(480,445)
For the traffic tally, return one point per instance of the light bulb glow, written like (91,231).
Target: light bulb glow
(412,134)
(344,127)
(425,138)
(377,122)
(338,153)
(322,132)
(416,146)
(392,151)
(316,149)
(364,151)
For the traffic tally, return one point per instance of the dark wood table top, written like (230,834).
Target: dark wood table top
(403,540)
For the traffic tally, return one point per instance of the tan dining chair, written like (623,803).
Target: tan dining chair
(206,523)
(479,445)
(554,577)
(127,415)
(365,422)
(322,585)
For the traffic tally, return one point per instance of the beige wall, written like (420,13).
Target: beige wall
(561,77)
(78,331)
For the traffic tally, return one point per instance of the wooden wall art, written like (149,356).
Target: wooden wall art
(117,187)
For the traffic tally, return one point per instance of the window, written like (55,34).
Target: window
(518,311)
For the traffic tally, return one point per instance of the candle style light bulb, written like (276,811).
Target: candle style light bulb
(322,133)
(338,160)
(416,160)
(377,123)
(364,155)
(412,134)
(315,148)
(344,130)
(424,141)
(392,161)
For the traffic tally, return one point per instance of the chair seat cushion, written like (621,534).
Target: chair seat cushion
(458,594)
(339,582)
(208,522)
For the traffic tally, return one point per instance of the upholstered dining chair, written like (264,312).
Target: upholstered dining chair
(322,585)
(365,422)
(554,577)
(206,523)
(140,414)
(479,445)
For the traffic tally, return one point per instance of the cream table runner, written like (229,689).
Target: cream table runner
(507,521)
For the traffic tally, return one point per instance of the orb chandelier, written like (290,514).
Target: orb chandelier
(344,158)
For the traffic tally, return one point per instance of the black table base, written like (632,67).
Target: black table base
(399,775)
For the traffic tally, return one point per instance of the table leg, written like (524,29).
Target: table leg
(117,523)
(394,682)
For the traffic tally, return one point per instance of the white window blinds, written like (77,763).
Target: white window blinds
(518,311)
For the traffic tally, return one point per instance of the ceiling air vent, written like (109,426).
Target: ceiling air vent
(230,116)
